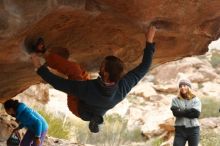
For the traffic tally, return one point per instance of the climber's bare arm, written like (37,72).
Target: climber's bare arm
(150,34)
(35,60)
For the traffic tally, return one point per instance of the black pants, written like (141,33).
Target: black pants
(182,135)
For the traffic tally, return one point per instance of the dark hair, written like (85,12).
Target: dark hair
(11,104)
(38,41)
(31,43)
(115,67)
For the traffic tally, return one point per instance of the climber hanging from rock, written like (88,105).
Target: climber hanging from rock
(93,98)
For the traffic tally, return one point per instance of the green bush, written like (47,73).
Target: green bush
(157,142)
(113,133)
(210,138)
(57,128)
(215,59)
(210,107)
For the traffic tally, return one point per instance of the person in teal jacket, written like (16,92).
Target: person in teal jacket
(27,118)
(97,96)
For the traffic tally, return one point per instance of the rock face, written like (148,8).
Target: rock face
(91,29)
(7,125)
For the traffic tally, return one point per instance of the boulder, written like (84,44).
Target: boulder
(91,29)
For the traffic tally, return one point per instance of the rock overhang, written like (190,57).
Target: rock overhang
(92,29)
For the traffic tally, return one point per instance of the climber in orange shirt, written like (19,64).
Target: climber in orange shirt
(56,58)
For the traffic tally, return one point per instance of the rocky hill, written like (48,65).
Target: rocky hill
(147,105)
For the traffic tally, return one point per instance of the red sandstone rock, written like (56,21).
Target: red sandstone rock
(91,29)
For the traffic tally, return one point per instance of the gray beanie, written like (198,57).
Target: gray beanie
(185,82)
